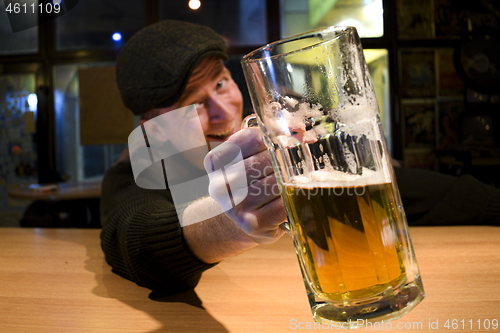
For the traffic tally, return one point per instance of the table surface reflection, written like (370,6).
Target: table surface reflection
(56,280)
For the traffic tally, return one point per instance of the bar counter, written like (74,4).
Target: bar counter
(56,280)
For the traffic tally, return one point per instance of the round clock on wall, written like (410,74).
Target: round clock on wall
(477,61)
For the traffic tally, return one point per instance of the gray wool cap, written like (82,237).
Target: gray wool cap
(153,68)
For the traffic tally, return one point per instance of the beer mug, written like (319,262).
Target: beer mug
(315,105)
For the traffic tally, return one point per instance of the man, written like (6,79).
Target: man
(175,64)
(162,68)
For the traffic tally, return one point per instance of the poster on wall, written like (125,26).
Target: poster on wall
(419,121)
(449,19)
(448,124)
(449,83)
(418,74)
(414,19)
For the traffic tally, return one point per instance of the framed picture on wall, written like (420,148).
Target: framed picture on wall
(449,19)
(449,115)
(414,19)
(449,83)
(419,122)
(418,74)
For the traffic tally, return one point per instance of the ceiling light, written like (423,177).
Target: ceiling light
(194,4)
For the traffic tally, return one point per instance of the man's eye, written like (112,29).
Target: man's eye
(221,84)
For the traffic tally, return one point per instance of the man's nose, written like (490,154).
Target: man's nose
(218,109)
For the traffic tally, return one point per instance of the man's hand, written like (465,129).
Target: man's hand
(261,211)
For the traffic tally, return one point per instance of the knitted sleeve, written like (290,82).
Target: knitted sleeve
(142,238)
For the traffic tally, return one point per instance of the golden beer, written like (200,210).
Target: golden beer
(346,238)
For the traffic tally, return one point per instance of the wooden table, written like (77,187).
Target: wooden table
(56,280)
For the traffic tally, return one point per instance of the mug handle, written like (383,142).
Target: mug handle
(251,121)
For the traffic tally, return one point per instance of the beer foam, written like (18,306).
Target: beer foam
(355,120)
(274,113)
(358,120)
(292,102)
(334,178)
(305,111)
(354,113)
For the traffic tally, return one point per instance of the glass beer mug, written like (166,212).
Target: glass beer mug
(315,104)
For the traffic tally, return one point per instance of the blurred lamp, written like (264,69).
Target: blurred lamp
(194,4)
(32,102)
(117,36)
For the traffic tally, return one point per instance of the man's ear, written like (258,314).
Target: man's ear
(156,130)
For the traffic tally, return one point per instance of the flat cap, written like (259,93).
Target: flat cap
(153,68)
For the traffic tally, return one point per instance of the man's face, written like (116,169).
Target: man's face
(219,104)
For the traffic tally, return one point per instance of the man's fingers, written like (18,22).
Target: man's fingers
(275,212)
(262,224)
(242,144)
(243,183)
(262,192)
(258,166)
(223,156)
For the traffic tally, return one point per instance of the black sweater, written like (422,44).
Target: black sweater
(141,235)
